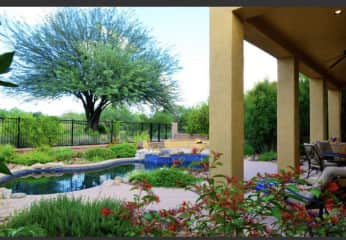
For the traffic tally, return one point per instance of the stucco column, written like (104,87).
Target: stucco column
(318,113)
(334,113)
(226,90)
(287,114)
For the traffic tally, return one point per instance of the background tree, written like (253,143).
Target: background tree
(260,116)
(99,55)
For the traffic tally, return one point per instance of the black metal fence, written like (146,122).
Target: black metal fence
(27,132)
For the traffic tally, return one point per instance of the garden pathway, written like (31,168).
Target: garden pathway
(169,198)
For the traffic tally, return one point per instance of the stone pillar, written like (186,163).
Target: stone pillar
(174,130)
(226,90)
(334,114)
(318,111)
(288,114)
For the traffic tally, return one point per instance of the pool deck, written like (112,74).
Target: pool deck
(169,197)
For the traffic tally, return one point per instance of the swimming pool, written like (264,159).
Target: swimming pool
(68,179)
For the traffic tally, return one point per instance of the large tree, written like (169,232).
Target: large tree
(99,55)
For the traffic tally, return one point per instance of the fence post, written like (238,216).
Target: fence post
(112,131)
(151,132)
(72,126)
(18,132)
(158,132)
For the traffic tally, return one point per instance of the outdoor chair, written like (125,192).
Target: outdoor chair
(313,157)
(324,147)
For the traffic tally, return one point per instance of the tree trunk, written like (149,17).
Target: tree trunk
(93,119)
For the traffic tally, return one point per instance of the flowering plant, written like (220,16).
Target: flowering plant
(267,205)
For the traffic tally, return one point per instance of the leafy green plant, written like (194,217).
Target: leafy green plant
(123,150)
(248,149)
(166,177)
(30,158)
(41,130)
(267,156)
(24,231)
(62,154)
(64,217)
(7,152)
(141,137)
(5,63)
(99,154)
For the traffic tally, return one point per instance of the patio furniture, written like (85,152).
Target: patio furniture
(315,160)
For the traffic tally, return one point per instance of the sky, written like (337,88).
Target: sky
(184,30)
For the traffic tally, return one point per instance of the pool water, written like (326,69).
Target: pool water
(68,182)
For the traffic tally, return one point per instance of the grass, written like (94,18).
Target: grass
(166,177)
(64,217)
(123,150)
(99,154)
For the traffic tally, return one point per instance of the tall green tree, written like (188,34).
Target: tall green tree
(99,55)
(260,116)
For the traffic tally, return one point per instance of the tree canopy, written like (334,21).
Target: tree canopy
(99,55)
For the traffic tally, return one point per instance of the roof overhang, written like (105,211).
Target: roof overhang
(315,35)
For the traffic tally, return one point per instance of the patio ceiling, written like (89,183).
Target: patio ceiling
(315,35)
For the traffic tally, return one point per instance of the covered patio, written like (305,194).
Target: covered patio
(303,39)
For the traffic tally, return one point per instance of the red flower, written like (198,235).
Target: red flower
(172,227)
(106,212)
(329,204)
(286,216)
(332,187)
(334,220)
(176,162)
(147,186)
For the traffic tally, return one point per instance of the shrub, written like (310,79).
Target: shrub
(64,217)
(248,149)
(31,158)
(99,154)
(165,177)
(267,156)
(42,130)
(7,152)
(123,150)
(62,154)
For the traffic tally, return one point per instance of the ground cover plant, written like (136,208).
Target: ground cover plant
(64,217)
(165,177)
(45,154)
(267,156)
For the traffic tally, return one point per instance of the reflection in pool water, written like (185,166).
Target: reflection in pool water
(68,182)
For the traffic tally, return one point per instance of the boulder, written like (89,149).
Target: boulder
(6,194)
(125,180)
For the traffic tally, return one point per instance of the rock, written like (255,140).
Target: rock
(6,194)
(37,166)
(18,195)
(125,180)
(118,180)
(107,183)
